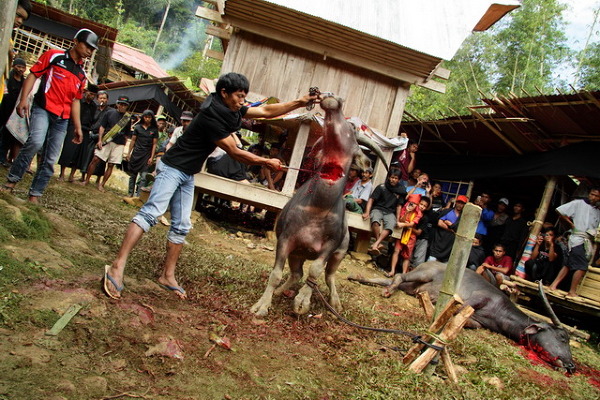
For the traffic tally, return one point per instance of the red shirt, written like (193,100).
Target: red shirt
(504,262)
(62,82)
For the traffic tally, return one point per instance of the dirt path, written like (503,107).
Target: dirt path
(152,345)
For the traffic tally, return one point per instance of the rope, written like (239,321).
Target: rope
(415,338)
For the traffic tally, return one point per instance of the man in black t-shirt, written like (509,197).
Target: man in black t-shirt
(219,116)
(111,152)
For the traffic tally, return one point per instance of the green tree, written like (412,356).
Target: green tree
(531,45)
(589,74)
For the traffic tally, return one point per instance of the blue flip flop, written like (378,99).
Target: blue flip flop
(174,289)
(108,278)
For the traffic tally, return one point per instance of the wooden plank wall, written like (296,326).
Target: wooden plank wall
(286,72)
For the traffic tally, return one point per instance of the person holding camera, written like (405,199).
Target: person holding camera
(546,258)
(422,187)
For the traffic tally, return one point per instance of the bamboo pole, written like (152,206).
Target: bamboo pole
(8,10)
(536,226)
(459,255)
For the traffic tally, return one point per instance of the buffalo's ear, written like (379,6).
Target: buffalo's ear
(533,329)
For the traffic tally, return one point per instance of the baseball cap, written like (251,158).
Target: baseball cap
(159,117)
(19,61)
(88,37)
(503,200)
(187,115)
(123,99)
(462,198)
(369,170)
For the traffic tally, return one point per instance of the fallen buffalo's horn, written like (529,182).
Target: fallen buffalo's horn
(366,141)
(549,309)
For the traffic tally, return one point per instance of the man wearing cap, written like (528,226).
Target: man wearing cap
(496,225)
(357,199)
(219,116)
(443,236)
(186,118)
(112,152)
(14,83)
(55,103)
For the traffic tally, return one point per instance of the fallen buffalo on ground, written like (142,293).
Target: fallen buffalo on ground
(493,310)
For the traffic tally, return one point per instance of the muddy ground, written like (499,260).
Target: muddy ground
(152,345)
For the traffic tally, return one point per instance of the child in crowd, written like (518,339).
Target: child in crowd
(408,217)
(381,208)
(423,231)
(499,264)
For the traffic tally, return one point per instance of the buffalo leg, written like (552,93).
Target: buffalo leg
(261,308)
(330,269)
(296,273)
(371,281)
(302,300)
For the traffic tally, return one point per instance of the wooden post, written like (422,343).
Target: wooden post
(296,159)
(459,255)
(536,226)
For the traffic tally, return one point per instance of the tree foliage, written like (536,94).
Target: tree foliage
(519,55)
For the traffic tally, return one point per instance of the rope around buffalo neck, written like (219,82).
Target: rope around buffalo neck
(415,338)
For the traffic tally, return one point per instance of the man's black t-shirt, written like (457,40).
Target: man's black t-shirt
(214,122)
(110,119)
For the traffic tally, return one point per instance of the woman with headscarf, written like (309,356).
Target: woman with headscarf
(141,150)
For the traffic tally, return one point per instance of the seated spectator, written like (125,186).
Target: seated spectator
(477,254)
(408,217)
(273,179)
(437,198)
(546,258)
(254,170)
(381,208)
(353,177)
(421,186)
(356,200)
(499,265)
(221,164)
(423,232)
(443,235)
(413,177)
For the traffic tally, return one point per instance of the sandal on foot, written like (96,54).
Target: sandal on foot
(107,278)
(175,289)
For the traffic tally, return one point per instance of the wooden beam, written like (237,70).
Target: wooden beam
(328,52)
(215,54)
(211,15)
(221,33)
(442,73)
(497,132)
(296,159)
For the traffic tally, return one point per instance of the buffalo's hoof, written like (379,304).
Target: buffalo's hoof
(259,310)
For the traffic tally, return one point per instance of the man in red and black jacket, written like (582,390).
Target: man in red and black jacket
(57,100)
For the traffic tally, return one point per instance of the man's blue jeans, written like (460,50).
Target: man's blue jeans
(45,130)
(175,189)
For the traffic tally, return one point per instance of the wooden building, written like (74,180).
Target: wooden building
(369,54)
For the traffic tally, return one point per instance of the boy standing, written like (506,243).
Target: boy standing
(381,207)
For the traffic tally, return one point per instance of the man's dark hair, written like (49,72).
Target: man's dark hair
(26,4)
(596,188)
(499,245)
(426,199)
(232,82)
(395,172)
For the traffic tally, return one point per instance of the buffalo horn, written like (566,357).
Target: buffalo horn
(549,309)
(366,141)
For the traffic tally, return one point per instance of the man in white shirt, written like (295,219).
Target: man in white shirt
(357,199)
(582,216)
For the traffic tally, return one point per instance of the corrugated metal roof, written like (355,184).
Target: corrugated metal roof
(507,126)
(137,59)
(434,27)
